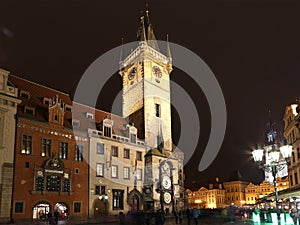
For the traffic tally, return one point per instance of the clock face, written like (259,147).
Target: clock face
(166,182)
(132,73)
(157,71)
(166,167)
(167,197)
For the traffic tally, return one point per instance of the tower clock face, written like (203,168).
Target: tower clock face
(132,73)
(157,71)
(166,182)
(167,197)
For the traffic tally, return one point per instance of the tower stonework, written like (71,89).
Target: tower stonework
(146,93)
(146,104)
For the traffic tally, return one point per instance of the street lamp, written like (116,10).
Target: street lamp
(276,159)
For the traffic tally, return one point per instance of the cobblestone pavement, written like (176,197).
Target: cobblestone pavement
(113,220)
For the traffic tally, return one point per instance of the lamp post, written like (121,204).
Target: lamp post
(273,158)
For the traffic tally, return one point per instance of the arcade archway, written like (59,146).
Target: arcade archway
(41,210)
(62,210)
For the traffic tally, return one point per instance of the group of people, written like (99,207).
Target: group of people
(158,217)
(52,219)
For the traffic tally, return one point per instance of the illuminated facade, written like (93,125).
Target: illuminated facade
(8,109)
(292,134)
(51,171)
(210,198)
(254,192)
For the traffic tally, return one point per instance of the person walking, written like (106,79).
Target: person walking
(294,214)
(121,218)
(180,216)
(188,216)
(160,217)
(176,216)
(195,216)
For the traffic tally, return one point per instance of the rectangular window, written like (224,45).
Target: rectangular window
(100,190)
(157,110)
(114,151)
(139,174)
(126,173)
(76,123)
(114,171)
(139,156)
(100,148)
(26,144)
(291,180)
(29,110)
(19,207)
(296,178)
(99,169)
(77,207)
(79,153)
(126,153)
(133,138)
(63,150)
(107,131)
(46,147)
(118,199)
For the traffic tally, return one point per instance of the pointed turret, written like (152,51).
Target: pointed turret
(146,32)
(271,131)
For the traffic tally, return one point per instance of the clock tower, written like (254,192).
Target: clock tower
(146,103)
(146,89)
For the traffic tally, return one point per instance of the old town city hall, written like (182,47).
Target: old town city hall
(92,163)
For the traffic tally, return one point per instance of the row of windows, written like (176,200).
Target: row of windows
(115,174)
(53,183)
(115,152)
(63,148)
(251,198)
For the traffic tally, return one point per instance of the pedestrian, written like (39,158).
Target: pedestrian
(160,217)
(195,216)
(56,216)
(180,216)
(176,216)
(50,219)
(152,219)
(295,215)
(225,215)
(121,218)
(188,215)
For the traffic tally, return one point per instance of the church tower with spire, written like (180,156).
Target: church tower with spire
(146,89)
(146,103)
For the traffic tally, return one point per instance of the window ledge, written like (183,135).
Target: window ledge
(33,192)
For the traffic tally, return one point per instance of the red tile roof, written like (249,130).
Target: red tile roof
(37,94)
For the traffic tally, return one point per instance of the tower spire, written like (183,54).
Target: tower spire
(146,32)
(168,48)
(271,131)
(122,50)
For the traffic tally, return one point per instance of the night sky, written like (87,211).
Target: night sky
(252,47)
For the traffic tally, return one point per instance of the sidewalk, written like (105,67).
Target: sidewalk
(113,220)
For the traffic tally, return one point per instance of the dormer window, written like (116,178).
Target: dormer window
(133,138)
(29,110)
(24,94)
(68,108)
(89,116)
(107,127)
(107,131)
(46,101)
